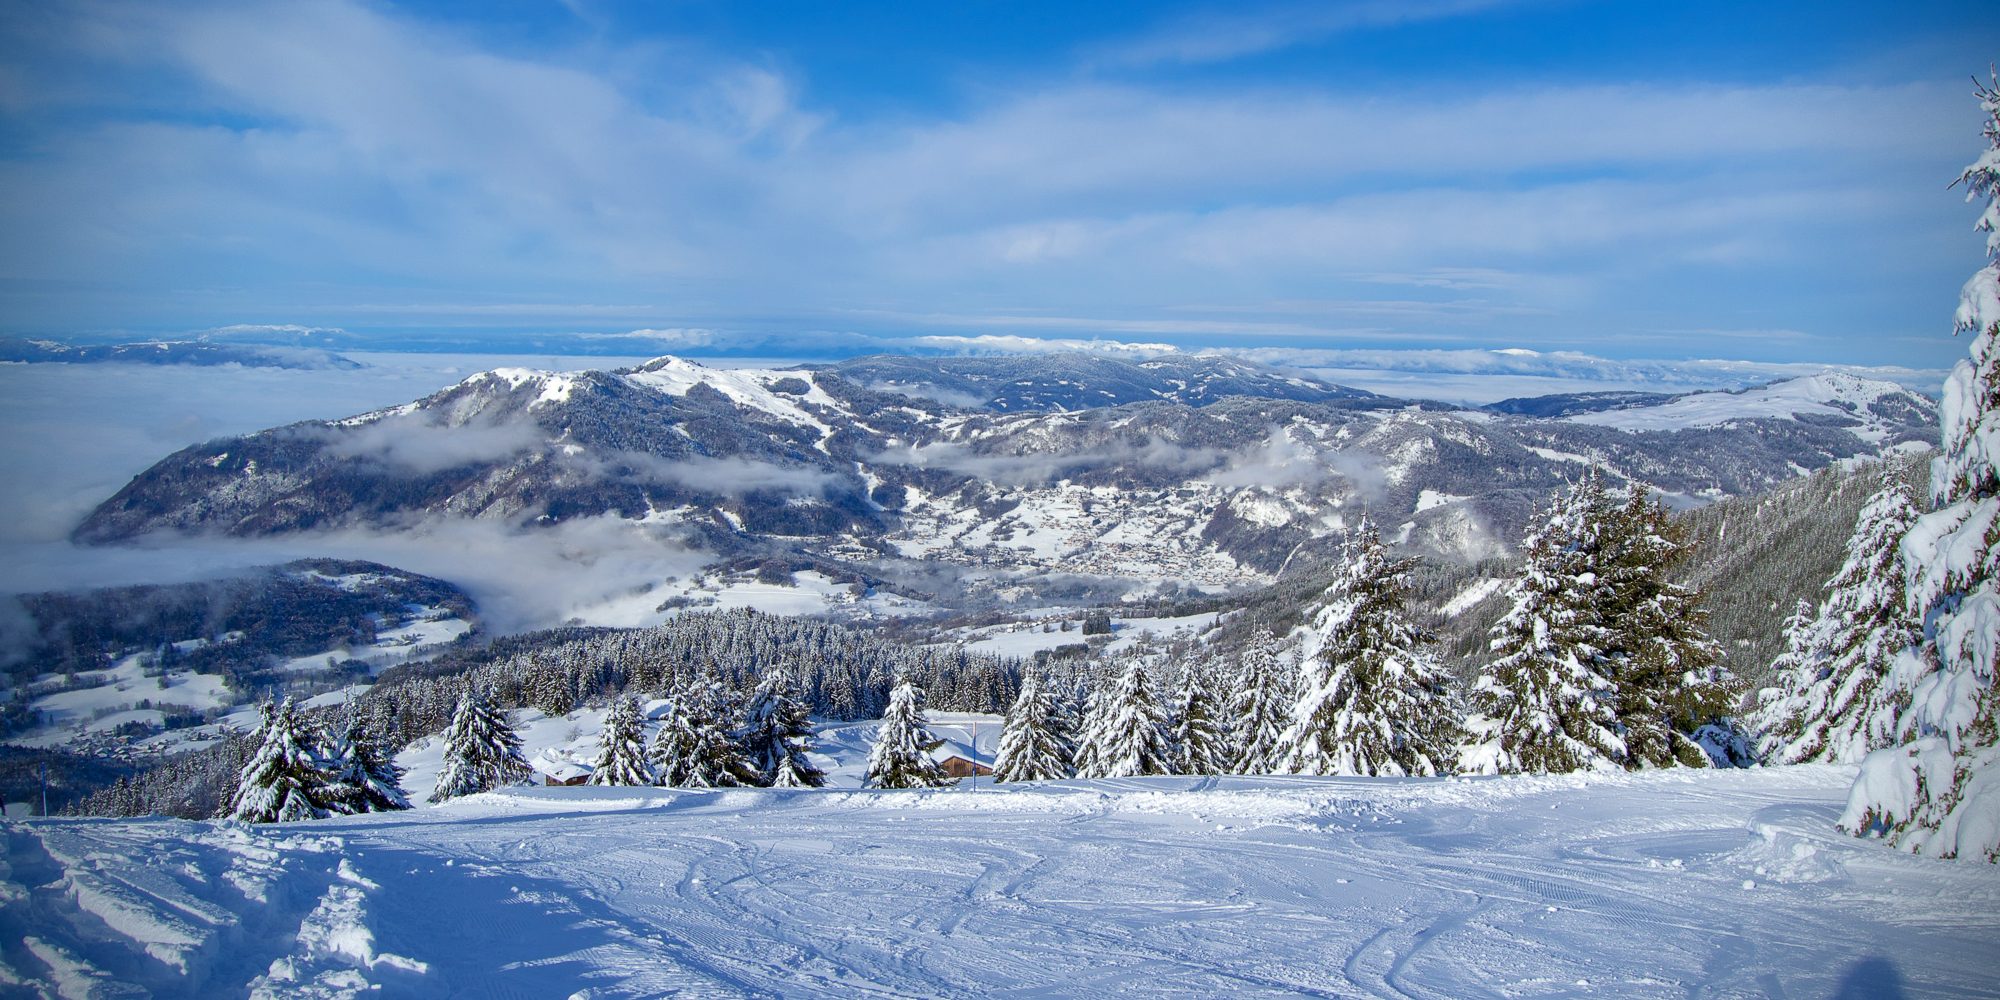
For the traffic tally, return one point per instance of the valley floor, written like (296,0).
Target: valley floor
(1664,884)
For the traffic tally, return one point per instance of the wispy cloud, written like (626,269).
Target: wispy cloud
(414,444)
(990,343)
(1207,38)
(265,331)
(674,338)
(1284,461)
(1410,372)
(509,310)
(1225,323)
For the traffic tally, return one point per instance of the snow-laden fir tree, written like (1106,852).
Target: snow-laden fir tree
(1202,737)
(365,775)
(1066,710)
(1372,698)
(1832,701)
(1089,703)
(1127,732)
(621,752)
(481,750)
(1938,791)
(901,754)
(1777,720)
(288,778)
(696,746)
(1547,705)
(719,759)
(1262,706)
(1032,747)
(1669,675)
(777,735)
(673,750)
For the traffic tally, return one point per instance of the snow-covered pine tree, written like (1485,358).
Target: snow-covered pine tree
(675,747)
(1066,721)
(481,750)
(1372,698)
(720,761)
(1090,708)
(621,753)
(1031,747)
(1668,674)
(365,775)
(1262,707)
(777,735)
(1832,702)
(286,781)
(1938,792)
(1203,743)
(1778,718)
(1548,708)
(1128,731)
(901,754)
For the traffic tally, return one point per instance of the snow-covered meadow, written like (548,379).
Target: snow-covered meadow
(1667,883)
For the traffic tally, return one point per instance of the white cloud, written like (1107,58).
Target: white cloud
(993,343)
(1484,376)
(521,577)
(414,444)
(1219,38)
(1045,153)
(1283,461)
(723,476)
(266,331)
(674,337)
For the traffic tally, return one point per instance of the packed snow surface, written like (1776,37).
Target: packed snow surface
(1656,884)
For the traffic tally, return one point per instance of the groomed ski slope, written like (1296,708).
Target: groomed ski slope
(1671,884)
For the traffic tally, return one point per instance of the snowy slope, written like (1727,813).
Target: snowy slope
(1656,884)
(304,626)
(1872,409)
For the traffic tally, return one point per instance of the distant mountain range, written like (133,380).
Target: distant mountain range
(1043,475)
(171,352)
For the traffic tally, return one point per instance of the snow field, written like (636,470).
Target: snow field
(1651,884)
(1025,638)
(1830,394)
(111,697)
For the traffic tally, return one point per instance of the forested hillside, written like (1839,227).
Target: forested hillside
(1755,557)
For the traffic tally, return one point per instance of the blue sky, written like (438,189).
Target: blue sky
(1756,181)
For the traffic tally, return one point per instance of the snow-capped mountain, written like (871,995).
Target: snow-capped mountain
(1200,470)
(171,352)
(1872,410)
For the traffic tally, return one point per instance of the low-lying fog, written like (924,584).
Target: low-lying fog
(75,434)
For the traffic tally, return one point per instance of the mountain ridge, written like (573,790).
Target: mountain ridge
(1195,484)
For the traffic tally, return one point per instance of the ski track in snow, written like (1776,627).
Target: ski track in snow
(1662,884)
